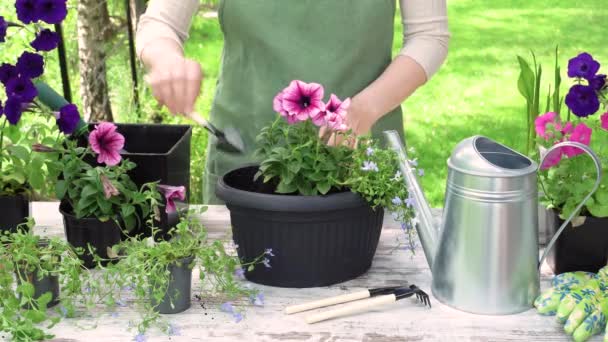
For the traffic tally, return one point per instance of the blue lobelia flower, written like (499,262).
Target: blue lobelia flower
(269,252)
(397,201)
(173,330)
(140,338)
(257,300)
(239,273)
(266,263)
(369,166)
(369,151)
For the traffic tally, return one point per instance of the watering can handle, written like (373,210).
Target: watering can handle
(598,167)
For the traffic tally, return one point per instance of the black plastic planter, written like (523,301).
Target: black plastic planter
(44,285)
(317,240)
(177,297)
(162,153)
(581,248)
(14,210)
(84,231)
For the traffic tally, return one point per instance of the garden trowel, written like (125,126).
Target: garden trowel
(228,140)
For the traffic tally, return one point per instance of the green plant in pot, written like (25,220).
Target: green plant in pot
(99,204)
(36,274)
(158,273)
(23,174)
(317,202)
(568,178)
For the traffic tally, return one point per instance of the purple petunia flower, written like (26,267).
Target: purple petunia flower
(13,108)
(21,88)
(266,263)
(30,65)
(7,72)
(51,11)
(598,82)
(582,100)
(583,66)
(46,40)
(3,27)
(269,252)
(140,338)
(26,11)
(68,118)
(369,166)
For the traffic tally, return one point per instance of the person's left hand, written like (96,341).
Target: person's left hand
(360,119)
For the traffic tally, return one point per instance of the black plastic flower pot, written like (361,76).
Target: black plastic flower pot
(43,285)
(82,232)
(162,153)
(14,210)
(316,240)
(580,248)
(177,297)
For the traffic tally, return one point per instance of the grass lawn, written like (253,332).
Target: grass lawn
(474,93)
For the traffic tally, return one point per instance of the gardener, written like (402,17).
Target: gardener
(343,45)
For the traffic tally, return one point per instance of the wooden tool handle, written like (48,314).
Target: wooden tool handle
(327,302)
(350,309)
(198,119)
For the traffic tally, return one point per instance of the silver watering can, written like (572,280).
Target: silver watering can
(484,257)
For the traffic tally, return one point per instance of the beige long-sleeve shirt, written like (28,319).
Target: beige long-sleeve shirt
(425,33)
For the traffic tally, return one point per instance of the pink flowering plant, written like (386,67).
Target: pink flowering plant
(105,191)
(298,161)
(22,171)
(568,179)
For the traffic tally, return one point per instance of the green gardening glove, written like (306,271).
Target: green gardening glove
(593,324)
(548,302)
(572,299)
(581,311)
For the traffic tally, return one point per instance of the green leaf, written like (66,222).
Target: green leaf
(26,289)
(88,191)
(323,188)
(44,300)
(286,188)
(525,83)
(35,316)
(19,152)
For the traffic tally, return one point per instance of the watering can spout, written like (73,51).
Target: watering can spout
(428,231)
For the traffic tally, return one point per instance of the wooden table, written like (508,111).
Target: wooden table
(405,321)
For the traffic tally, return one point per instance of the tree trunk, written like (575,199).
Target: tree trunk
(92,18)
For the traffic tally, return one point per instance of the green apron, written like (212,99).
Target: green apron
(342,44)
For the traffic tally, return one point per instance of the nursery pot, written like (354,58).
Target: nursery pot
(580,248)
(177,297)
(14,210)
(80,232)
(316,240)
(162,153)
(43,285)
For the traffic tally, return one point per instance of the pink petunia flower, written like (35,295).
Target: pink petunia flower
(581,134)
(541,125)
(109,189)
(335,110)
(300,101)
(107,143)
(172,193)
(552,159)
(604,119)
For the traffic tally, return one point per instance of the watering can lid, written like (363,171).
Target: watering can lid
(482,156)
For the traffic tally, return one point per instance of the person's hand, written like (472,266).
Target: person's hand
(175,82)
(360,118)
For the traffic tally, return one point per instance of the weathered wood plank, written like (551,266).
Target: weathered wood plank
(404,321)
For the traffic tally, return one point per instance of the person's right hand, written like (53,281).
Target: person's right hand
(175,81)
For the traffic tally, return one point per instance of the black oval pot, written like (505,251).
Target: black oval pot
(14,210)
(177,297)
(80,232)
(317,240)
(581,248)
